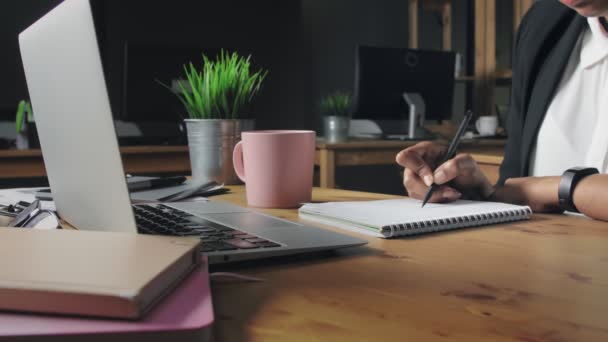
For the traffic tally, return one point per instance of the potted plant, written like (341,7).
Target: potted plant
(27,136)
(217,99)
(336,112)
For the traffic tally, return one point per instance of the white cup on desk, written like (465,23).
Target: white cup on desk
(487,125)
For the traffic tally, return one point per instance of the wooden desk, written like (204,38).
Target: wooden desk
(16,164)
(488,153)
(136,159)
(539,280)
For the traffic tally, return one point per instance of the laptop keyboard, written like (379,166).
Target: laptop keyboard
(164,220)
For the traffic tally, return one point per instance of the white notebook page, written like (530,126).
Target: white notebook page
(400,211)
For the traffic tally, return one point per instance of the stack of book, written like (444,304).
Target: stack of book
(67,283)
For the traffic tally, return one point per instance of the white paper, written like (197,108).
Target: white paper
(12,196)
(374,215)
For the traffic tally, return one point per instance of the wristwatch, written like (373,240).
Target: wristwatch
(568,182)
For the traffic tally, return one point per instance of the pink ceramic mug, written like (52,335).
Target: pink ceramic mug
(276,166)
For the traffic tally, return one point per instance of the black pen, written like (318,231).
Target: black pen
(451,151)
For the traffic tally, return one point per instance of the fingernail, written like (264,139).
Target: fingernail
(440,177)
(428,180)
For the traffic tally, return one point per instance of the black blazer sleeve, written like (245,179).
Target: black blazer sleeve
(511,164)
(543,44)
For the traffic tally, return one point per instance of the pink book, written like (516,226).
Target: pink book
(186,313)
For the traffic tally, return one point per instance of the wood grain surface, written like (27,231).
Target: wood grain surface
(487,152)
(540,280)
(17,164)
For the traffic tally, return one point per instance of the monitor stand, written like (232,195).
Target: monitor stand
(387,129)
(416,116)
(411,128)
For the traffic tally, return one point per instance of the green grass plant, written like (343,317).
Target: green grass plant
(23,108)
(223,89)
(336,104)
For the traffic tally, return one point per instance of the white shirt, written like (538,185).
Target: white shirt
(574,131)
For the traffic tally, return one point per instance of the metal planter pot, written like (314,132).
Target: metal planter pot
(210,144)
(336,128)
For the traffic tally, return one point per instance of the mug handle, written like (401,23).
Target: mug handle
(237,161)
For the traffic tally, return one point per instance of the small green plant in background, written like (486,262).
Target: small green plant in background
(336,104)
(223,89)
(23,108)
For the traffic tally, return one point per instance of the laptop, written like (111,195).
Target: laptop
(68,92)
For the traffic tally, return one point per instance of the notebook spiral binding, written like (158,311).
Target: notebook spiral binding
(466,221)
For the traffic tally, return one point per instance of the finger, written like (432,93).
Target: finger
(412,160)
(444,194)
(449,194)
(461,165)
(417,189)
(419,166)
(428,151)
(433,155)
(414,184)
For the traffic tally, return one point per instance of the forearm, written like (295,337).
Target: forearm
(540,193)
(591,196)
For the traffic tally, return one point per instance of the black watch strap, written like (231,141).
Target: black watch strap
(568,182)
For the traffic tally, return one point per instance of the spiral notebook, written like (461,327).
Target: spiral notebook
(404,216)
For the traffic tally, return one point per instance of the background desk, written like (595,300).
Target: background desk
(488,153)
(136,159)
(16,164)
(539,280)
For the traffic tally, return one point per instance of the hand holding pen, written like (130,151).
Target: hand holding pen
(450,153)
(429,163)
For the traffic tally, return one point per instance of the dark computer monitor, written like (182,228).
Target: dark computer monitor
(383,74)
(154,109)
(147,64)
